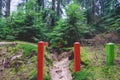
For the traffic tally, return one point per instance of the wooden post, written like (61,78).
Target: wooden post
(77,62)
(46,44)
(110,53)
(40,75)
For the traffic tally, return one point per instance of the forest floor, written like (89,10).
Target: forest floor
(93,64)
(60,69)
(16,65)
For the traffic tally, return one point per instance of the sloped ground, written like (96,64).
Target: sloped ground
(60,69)
(18,61)
(101,39)
(14,65)
(23,67)
(94,64)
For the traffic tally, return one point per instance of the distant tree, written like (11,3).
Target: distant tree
(58,8)
(7,13)
(0,8)
(41,4)
(53,14)
(71,29)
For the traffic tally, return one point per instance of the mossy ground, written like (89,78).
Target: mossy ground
(25,67)
(94,64)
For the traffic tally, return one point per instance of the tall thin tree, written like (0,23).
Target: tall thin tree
(7,8)
(52,15)
(0,8)
(58,8)
(41,4)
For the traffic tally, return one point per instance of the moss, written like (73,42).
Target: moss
(96,68)
(27,69)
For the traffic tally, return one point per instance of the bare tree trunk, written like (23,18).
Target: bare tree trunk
(0,8)
(41,3)
(7,8)
(93,10)
(52,16)
(58,8)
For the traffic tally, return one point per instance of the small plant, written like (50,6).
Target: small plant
(83,75)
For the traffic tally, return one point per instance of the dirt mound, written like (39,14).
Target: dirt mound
(105,38)
(101,39)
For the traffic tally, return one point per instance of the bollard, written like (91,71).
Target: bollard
(46,44)
(77,62)
(110,53)
(40,60)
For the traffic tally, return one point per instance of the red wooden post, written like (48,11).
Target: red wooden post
(40,60)
(77,63)
(47,44)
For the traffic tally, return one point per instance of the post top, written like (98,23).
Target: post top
(110,44)
(76,43)
(40,42)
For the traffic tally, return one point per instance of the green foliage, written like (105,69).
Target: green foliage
(83,75)
(109,23)
(104,73)
(33,75)
(71,29)
(76,22)
(24,25)
(47,56)
(28,49)
(33,22)
(96,70)
(74,13)
(57,34)
(5,32)
(46,73)
(85,57)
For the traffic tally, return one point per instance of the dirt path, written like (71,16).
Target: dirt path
(19,42)
(60,70)
(3,43)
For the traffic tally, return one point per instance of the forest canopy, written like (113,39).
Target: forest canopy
(58,20)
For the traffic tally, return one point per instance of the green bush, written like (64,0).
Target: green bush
(71,29)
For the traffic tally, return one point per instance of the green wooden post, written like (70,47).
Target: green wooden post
(110,53)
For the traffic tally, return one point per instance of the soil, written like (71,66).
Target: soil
(101,39)
(60,69)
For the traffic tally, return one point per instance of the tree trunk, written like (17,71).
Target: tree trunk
(41,4)
(93,11)
(7,8)
(58,8)
(102,4)
(53,14)
(0,8)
